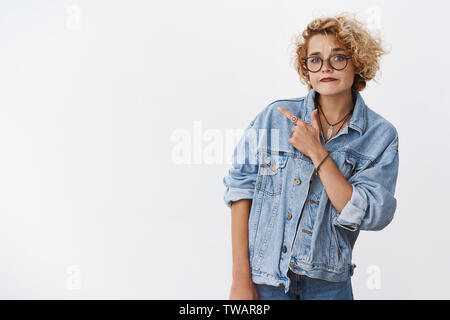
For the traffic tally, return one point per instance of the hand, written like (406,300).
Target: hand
(305,138)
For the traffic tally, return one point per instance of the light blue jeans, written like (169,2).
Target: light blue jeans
(306,288)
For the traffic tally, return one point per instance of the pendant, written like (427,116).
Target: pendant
(330,132)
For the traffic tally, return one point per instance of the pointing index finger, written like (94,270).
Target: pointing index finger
(288,114)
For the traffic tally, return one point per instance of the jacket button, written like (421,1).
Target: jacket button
(289,216)
(295,266)
(281,285)
(284,249)
(312,201)
(297,181)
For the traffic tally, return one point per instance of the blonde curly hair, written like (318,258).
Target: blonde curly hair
(365,49)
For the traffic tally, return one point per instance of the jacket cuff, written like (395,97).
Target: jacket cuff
(235,194)
(353,213)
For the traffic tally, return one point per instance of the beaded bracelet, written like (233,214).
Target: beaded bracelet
(316,170)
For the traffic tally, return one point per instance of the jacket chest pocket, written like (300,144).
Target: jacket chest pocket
(271,173)
(354,164)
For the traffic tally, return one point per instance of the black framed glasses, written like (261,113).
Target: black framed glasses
(336,61)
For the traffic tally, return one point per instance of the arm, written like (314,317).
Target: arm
(242,287)
(338,189)
(240,211)
(366,201)
(241,178)
(240,185)
(306,139)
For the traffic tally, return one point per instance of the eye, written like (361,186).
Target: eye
(338,57)
(315,60)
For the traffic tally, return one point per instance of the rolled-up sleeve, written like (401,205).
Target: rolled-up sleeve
(241,178)
(372,204)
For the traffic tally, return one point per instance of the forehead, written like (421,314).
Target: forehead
(324,44)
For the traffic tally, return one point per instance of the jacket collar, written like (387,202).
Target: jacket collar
(359,117)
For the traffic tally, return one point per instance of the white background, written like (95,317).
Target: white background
(93,95)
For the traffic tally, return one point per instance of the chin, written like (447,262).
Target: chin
(326,89)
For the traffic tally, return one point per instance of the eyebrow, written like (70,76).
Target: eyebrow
(334,49)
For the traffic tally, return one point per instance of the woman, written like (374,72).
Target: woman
(318,169)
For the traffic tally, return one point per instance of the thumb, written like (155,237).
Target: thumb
(315,120)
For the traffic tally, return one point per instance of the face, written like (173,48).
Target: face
(324,46)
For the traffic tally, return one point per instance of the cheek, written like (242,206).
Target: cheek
(351,73)
(348,76)
(314,77)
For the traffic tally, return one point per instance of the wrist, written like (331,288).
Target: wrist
(318,155)
(242,273)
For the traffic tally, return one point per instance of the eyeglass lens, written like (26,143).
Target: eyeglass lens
(338,62)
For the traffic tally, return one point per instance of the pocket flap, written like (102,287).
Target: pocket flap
(356,164)
(273,161)
(351,161)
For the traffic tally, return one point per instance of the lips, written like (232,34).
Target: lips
(327,79)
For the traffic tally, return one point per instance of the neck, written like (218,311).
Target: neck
(336,107)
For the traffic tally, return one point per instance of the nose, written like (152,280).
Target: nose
(326,65)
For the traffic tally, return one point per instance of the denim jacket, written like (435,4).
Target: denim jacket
(292,223)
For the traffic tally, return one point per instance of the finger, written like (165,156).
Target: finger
(289,115)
